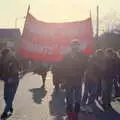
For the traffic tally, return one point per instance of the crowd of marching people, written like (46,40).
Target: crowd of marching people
(98,73)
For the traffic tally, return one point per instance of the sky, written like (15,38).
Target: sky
(59,11)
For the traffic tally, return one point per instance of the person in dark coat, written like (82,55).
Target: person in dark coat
(9,73)
(109,76)
(72,71)
(117,79)
(93,78)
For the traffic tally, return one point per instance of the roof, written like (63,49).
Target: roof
(10,33)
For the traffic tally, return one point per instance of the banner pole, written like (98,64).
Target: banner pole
(26,18)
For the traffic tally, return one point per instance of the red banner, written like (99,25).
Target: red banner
(48,42)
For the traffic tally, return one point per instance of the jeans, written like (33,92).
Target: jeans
(73,95)
(117,86)
(9,93)
(99,88)
(90,92)
(107,90)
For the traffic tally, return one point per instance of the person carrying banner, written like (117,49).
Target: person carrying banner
(9,73)
(72,70)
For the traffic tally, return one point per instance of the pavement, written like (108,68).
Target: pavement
(32,102)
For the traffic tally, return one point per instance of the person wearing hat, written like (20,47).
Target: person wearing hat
(9,68)
(72,70)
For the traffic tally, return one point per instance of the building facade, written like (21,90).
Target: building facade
(10,38)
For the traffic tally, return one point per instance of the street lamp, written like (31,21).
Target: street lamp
(16,20)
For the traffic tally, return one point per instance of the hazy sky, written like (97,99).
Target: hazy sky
(57,11)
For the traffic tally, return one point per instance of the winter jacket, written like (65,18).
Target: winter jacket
(72,69)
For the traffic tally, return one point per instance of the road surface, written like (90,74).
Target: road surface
(32,102)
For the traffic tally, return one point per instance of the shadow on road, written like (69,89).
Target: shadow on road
(98,114)
(106,115)
(57,105)
(38,94)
